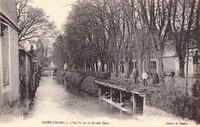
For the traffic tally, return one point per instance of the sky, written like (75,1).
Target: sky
(57,10)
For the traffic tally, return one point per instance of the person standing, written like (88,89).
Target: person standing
(172,74)
(32,51)
(155,78)
(162,77)
(40,71)
(149,75)
(135,75)
(65,67)
(144,78)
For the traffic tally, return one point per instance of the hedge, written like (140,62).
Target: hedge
(85,80)
(176,101)
(99,75)
(89,86)
(195,88)
(74,78)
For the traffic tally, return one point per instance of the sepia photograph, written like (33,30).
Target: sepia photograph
(99,63)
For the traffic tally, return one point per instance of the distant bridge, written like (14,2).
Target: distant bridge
(50,71)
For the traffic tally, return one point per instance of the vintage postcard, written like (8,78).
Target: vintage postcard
(99,63)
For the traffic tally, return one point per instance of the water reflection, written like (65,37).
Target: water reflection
(52,98)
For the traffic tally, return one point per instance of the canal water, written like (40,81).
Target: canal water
(54,101)
(53,97)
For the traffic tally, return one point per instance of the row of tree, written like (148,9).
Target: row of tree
(112,31)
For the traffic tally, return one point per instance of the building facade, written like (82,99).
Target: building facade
(9,61)
(29,78)
(171,62)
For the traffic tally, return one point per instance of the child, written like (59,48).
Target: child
(144,78)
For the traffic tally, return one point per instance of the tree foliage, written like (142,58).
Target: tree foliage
(33,22)
(115,32)
(35,28)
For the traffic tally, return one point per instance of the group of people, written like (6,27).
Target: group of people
(144,77)
(151,76)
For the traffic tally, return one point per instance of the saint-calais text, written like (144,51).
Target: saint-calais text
(53,122)
(75,122)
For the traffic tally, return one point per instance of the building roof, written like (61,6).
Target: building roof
(9,10)
(172,53)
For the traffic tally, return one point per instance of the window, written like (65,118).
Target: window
(4,52)
(153,65)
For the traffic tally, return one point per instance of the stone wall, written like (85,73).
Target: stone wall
(85,80)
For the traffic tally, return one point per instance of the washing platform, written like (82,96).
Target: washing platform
(130,101)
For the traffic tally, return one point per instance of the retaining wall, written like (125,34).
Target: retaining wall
(85,80)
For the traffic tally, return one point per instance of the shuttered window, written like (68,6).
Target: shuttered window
(4,55)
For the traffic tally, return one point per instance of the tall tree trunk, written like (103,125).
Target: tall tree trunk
(111,67)
(88,65)
(140,66)
(116,66)
(108,67)
(102,66)
(92,66)
(96,65)
(181,67)
(127,68)
(160,63)
(85,65)
(149,59)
